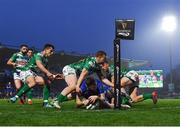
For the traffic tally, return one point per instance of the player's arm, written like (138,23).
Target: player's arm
(11,61)
(82,76)
(107,82)
(59,76)
(104,80)
(92,99)
(78,101)
(81,102)
(101,95)
(43,69)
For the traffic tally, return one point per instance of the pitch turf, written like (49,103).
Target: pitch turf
(166,112)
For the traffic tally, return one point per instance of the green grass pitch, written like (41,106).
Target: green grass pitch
(166,112)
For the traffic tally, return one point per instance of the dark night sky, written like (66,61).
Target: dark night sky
(86,26)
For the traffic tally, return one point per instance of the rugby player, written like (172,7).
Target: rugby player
(19,60)
(30,75)
(75,73)
(129,79)
(91,93)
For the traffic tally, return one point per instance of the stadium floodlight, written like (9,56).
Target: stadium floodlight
(169,23)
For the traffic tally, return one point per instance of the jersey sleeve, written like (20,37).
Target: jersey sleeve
(89,65)
(38,57)
(14,57)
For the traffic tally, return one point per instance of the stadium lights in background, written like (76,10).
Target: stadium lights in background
(169,25)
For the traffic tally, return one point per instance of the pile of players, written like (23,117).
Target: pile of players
(90,81)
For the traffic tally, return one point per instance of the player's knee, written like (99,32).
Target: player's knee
(18,87)
(39,80)
(134,99)
(31,84)
(72,87)
(31,81)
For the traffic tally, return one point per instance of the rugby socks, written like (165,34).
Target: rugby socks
(62,98)
(125,100)
(46,93)
(29,94)
(23,90)
(147,96)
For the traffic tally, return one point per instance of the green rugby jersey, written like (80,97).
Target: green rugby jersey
(110,71)
(88,63)
(21,61)
(32,62)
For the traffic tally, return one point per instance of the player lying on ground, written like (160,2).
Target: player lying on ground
(19,60)
(80,69)
(130,80)
(93,94)
(37,64)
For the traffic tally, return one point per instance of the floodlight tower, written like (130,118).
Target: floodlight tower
(169,25)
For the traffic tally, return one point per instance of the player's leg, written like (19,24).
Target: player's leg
(125,82)
(138,98)
(72,95)
(29,97)
(46,90)
(39,80)
(71,81)
(130,80)
(29,82)
(46,93)
(18,84)
(135,97)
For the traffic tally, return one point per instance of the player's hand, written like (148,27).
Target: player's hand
(78,90)
(59,76)
(14,65)
(92,99)
(50,76)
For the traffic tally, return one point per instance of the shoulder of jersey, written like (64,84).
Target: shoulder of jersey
(18,54)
